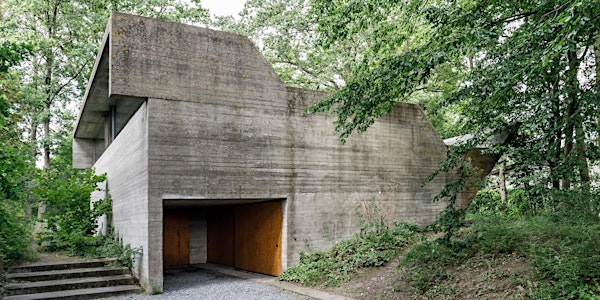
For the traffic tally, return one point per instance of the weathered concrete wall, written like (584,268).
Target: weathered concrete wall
(86,152)
(158,59)
(384,167)
(126,164)
(219,149)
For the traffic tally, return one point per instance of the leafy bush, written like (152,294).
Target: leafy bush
(14,238)
(488,202)
(15,169)
(375,245)
(563,253)
(70,220)
(110,245)
(428,264)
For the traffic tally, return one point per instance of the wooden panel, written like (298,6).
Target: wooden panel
(176,239)
(258,237)
(220,236)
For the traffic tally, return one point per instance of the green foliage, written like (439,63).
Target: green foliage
(16,163)
(563,253)
(465,176)
(11,54)
(488,202)
(109,245)
(562,249)
(284,31)
(70,220)
(375,245)
(494,63)
(428,263)
(14,237)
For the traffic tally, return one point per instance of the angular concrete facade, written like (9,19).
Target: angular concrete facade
(192,120)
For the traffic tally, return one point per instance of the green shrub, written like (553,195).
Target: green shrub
(428,263)
(488,202)
(70,219)
(110,245)
(375,245)
(14,238)
(563,253)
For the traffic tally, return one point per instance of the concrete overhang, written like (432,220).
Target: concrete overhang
(196,203)
(98,98)
(493,140)
(496,139)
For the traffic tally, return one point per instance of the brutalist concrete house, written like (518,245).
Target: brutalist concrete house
(209,158)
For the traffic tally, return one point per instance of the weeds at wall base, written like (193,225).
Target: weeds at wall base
(376,243)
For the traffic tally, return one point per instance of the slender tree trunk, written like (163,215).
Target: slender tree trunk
(47,143)
(584,171)
(571,114)
(41,222)
(51,17)
(501,176)
(48,106)
(471,64)
(568,142)
(554,147)
(33,137)
(597,60)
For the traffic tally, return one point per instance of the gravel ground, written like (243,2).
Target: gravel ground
(195,283)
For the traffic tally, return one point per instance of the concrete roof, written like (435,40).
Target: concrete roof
(97,99)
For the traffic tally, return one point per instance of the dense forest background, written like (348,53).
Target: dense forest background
(475,67)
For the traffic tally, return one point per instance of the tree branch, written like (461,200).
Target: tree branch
(71,79)
(305,70)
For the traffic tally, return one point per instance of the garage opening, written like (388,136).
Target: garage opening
(235,233)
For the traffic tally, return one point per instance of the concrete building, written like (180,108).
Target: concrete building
(209,158)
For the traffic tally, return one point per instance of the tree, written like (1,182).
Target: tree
(527,62)
(15,163)
(285,34)
(62,38)
(65,36)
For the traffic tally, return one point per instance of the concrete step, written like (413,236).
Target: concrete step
(65,274)
(91,293)
(68,284)
(61,265)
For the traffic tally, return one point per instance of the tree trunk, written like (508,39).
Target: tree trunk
(597,60)
(501,170)
(584,171)
(41,222)
(48,106)
(33,137)
(51,23)
(46,143)
(571,114)
(554,144)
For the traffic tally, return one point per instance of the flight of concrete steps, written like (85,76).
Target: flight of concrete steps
(82,279)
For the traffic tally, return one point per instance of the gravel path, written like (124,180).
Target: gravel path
(195,283)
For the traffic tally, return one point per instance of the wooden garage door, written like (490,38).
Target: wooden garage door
(258,237)
(220,236)
(176,238)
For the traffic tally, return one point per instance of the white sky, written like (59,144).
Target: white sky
(223,7)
